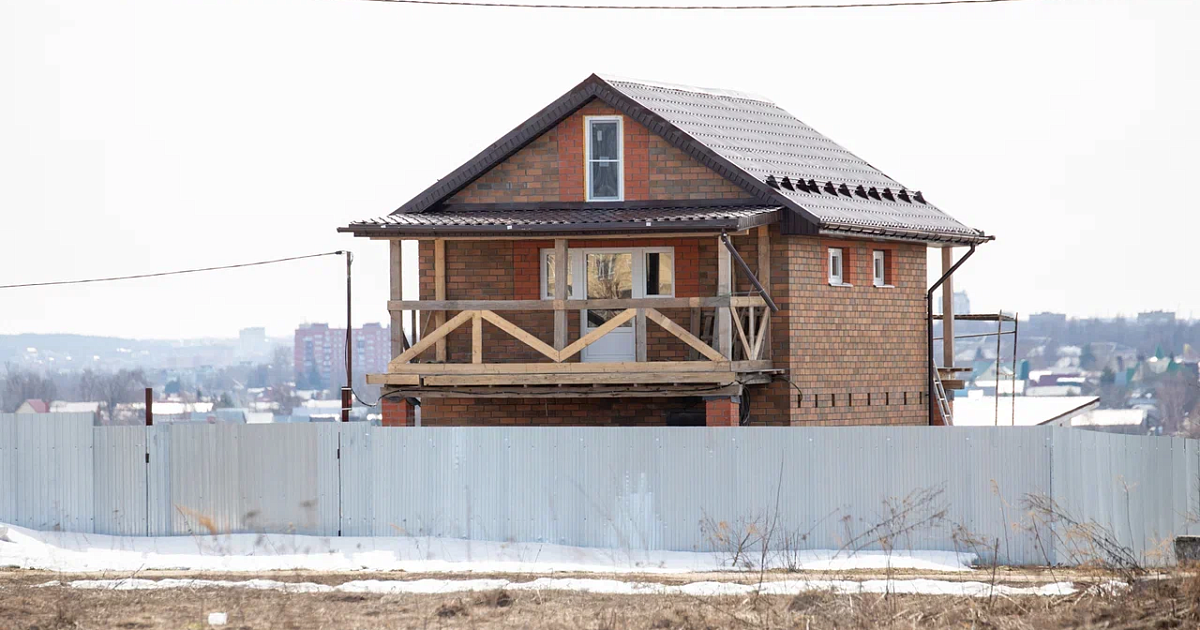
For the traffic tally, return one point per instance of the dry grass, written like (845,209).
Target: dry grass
(1171,601)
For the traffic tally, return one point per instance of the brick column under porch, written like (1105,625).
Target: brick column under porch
(722,411)
(398,412)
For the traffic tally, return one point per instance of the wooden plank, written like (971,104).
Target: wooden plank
(639,326)
(722,378)
(550,305)
(695,330)
(436,369)
(723,335)
(573,391)
(476,338)
(430,339)
(439,291)
(396,283)
(750,366)
(737,324)
(687,337)
(393,379)
(752,329)
(764,276)
(764,328)
(521,335)
(596,334)
(560,293)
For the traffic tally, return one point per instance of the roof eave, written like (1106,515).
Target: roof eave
(380,230)
(922,236)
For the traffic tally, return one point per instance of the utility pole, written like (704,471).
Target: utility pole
(347,391)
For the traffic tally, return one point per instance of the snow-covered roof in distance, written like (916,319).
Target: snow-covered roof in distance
(60,406)
(1030,411)
(1110,418)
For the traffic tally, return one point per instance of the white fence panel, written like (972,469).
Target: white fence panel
(53,471)
(119,480)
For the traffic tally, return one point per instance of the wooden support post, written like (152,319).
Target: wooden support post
(560,293)
(399,341)
(948,310)
(639,327)
(149,407)
(439,292)
(723,335)
(764,276)
(695,330)
(477,338)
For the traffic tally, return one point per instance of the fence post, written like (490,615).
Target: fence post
(149,406)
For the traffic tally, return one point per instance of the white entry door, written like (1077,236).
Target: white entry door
(609,274)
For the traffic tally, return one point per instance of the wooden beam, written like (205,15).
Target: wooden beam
(476,338)
(571,391)
(739,301)
(396,278)
(597,333)
(438,369)
(764,329)
(695,330)
(948,310)
(393,379)
(750,366)
(560,292)
(439,291)
(521,335)
(737,324)
(687,337)
(432,338)
(764,276)
(639,334)
(723,334)
(722,378)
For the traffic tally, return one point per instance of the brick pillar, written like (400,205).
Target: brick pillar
(721,412)
(398,413)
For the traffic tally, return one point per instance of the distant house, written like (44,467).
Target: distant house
(34,406)
(1124,421)
(641,253)
(1021,411)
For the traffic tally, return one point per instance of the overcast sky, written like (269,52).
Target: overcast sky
(151,135)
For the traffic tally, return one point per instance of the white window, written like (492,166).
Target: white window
(651,269)
(605,178)
(835,266)
(877,262)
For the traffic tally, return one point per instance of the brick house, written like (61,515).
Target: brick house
(725,263)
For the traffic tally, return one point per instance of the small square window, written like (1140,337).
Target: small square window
(879,266)
(835,266)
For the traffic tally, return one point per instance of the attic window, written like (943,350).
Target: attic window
(605,176)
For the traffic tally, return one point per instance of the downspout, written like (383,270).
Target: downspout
(929,325)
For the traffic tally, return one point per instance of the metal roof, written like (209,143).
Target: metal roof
(768,143)
(778,160)
(567,219)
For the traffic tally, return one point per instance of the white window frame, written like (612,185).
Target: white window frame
(879,267)
(587,157)
(578,273)
(838,279)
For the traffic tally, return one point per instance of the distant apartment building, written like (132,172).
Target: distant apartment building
(319,353)
(252,343)
(1156,318)
(1048,321)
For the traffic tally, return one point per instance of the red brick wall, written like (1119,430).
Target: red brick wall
(553,411)
(552,168)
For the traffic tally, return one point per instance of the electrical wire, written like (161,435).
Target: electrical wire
(757,7)
(168,273)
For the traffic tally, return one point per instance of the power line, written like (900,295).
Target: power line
(169,273)
(757,7)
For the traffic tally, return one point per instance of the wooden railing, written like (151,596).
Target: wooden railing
(751,333)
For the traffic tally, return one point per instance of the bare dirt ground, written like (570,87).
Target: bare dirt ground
(1170,601)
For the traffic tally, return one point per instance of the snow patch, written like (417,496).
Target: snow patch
(82,553)
(600,586)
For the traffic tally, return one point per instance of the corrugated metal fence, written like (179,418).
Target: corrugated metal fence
(635,488)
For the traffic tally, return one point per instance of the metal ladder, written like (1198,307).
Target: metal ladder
(942,401)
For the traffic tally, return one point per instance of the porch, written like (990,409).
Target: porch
(719,343)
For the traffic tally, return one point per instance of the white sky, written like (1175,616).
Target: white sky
(147,135)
